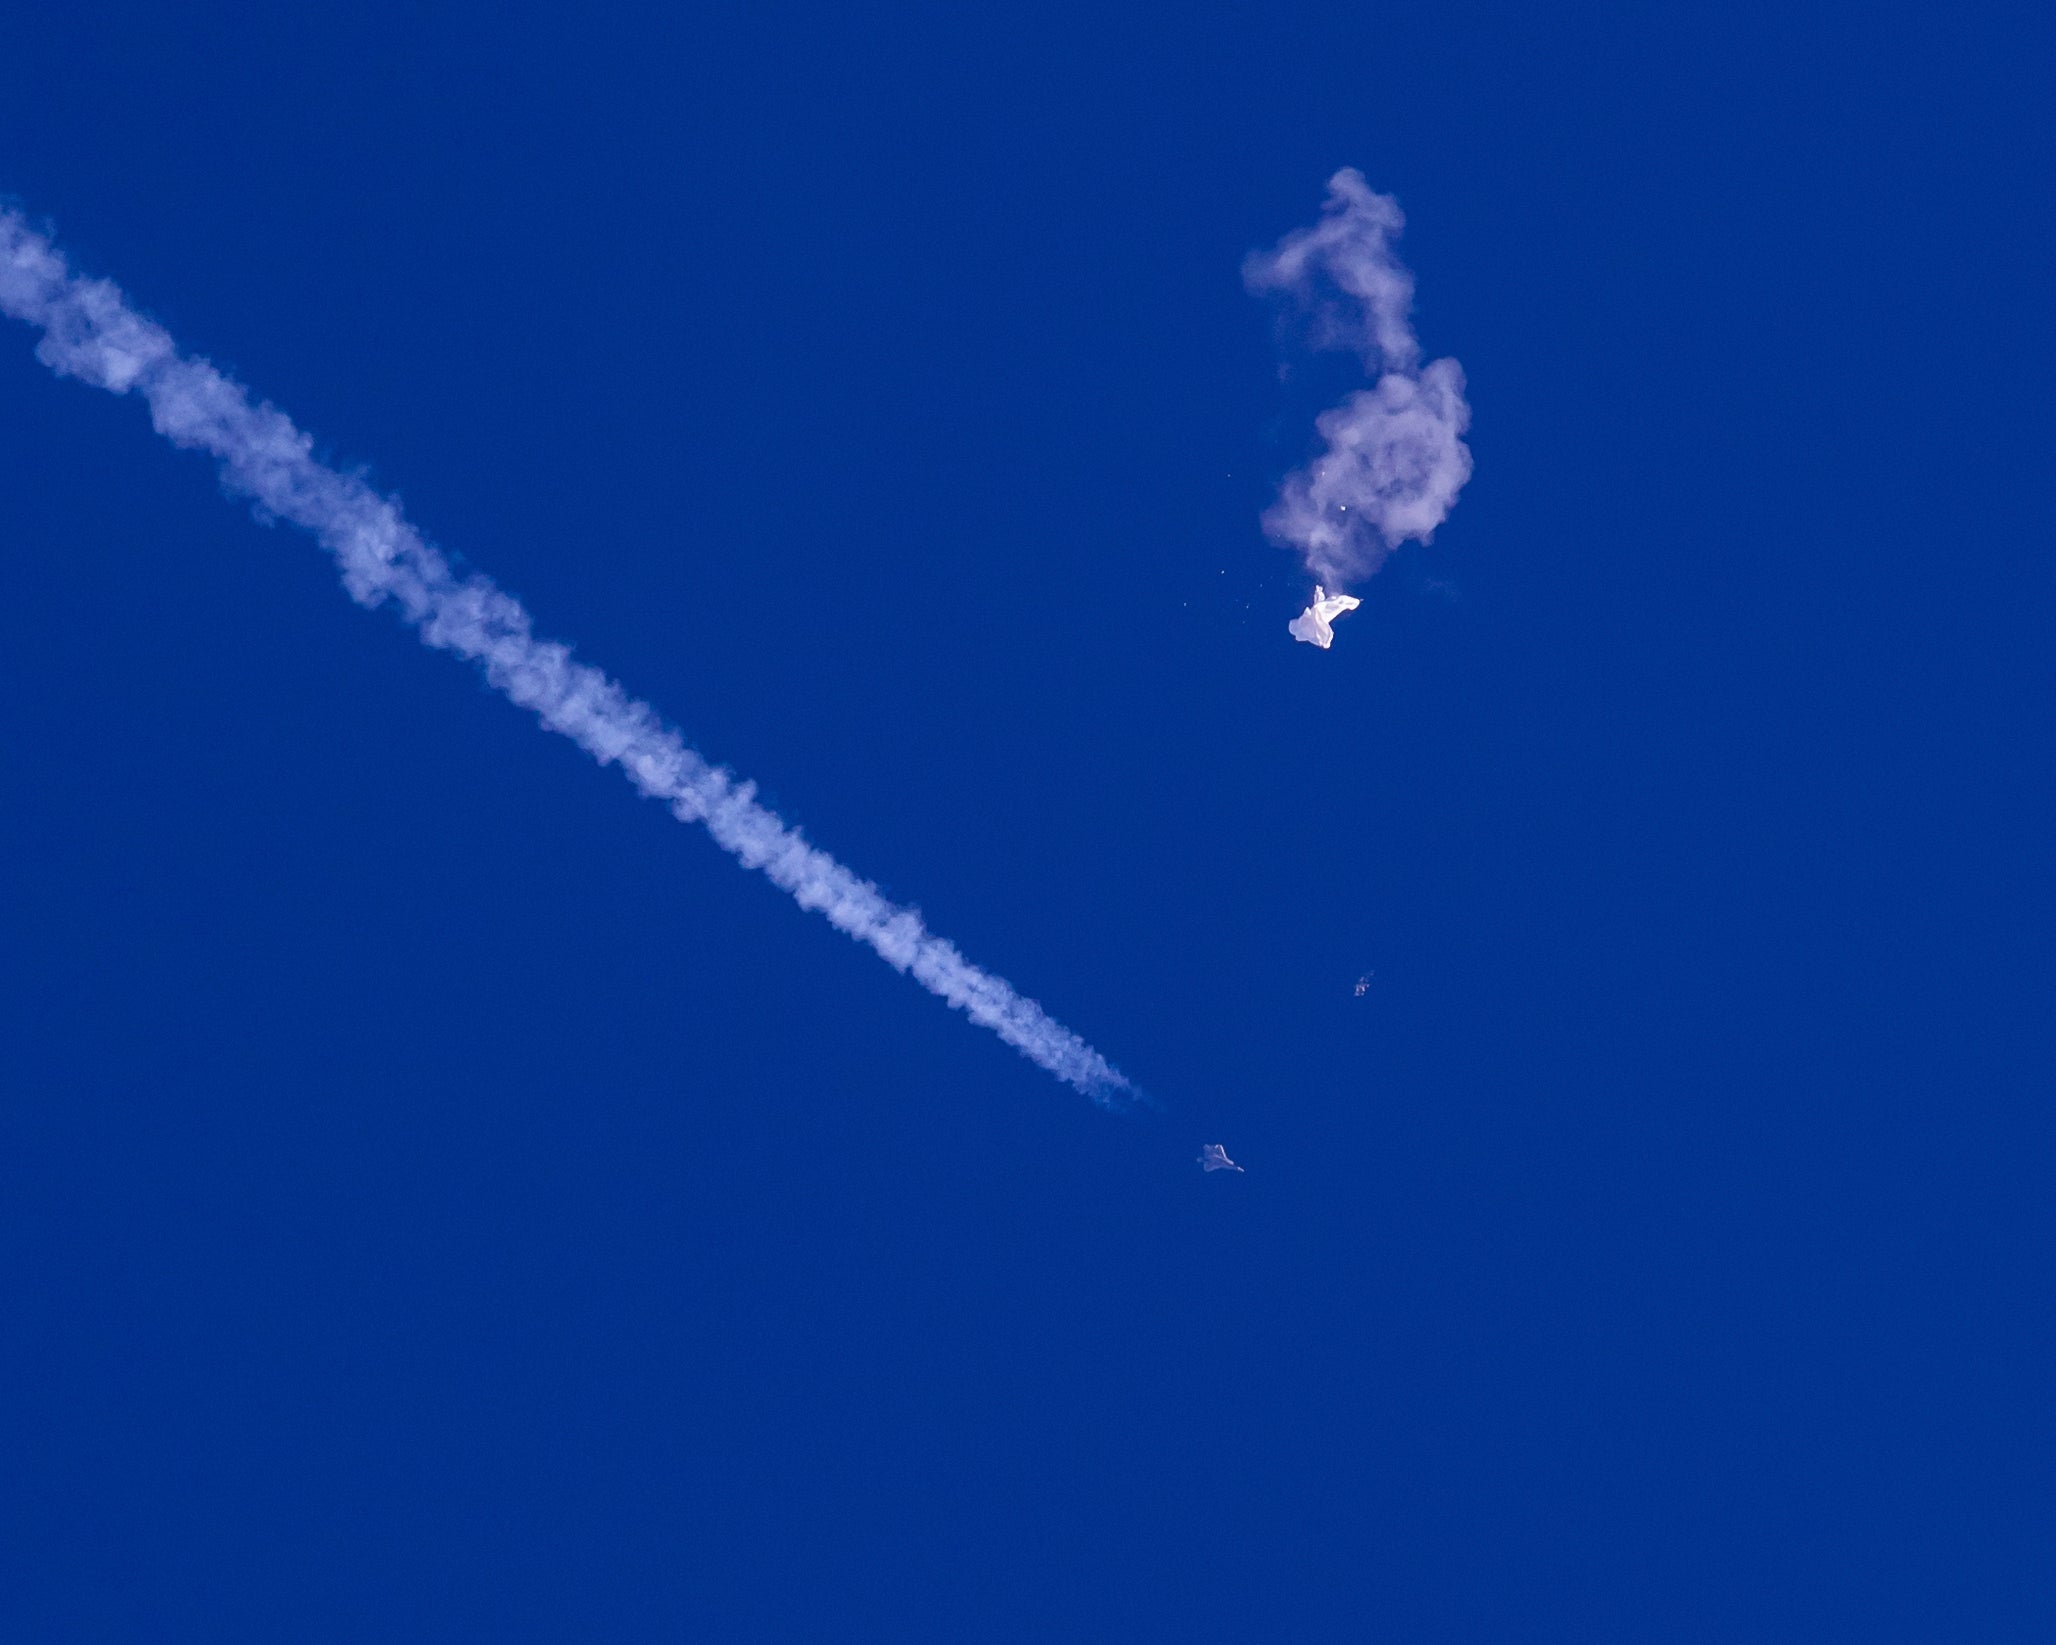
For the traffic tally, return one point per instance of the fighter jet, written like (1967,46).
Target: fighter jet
(1213,1157)
(1311,625)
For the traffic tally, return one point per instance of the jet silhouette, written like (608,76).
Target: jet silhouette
(1213,1157)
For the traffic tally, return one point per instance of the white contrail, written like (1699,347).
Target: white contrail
(1395,457)
(90,332)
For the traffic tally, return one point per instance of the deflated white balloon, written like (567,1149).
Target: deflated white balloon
(1312,624)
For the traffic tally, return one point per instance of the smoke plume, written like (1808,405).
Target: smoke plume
(1393,457)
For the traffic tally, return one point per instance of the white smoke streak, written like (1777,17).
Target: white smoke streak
(90,332)
(1394,458)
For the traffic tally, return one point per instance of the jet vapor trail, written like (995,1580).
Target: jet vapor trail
(90,332)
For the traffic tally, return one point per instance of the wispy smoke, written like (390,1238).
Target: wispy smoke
(90,332)
(1394,457)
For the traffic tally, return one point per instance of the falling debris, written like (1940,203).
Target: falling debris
(1213,1157)
(1363,984)
(1312,624)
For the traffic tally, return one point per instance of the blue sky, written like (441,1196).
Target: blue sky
(446,1199)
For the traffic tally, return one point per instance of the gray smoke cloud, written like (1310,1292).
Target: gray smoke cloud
(90,331)
(1393,457)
